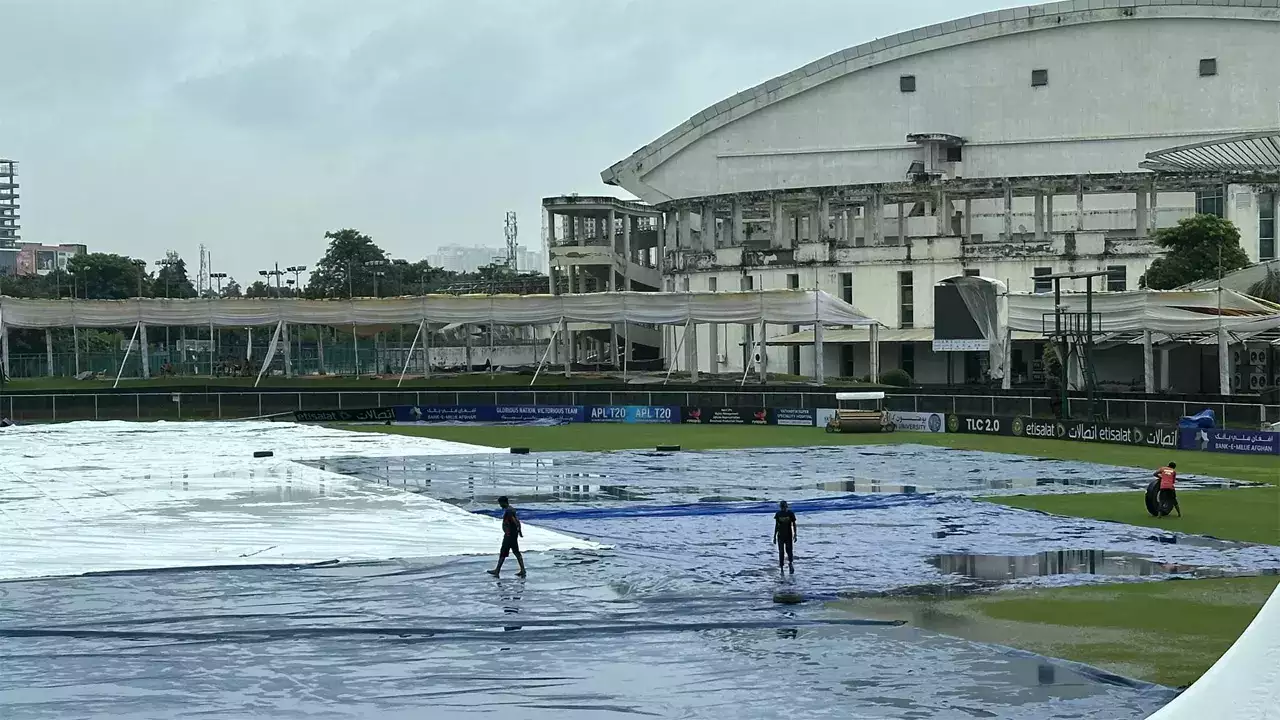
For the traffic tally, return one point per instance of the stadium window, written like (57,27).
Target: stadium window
(846,287)
(793,281)
(846,360)
(1117,278)
(907,83)
(711,284)
(1211,202)
(908,359)
(1267,226)
(972,272)
(906,300)
(1208,67)
(1039,78)
(1042,284)
(955,154)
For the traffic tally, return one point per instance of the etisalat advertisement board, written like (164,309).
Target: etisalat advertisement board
(1076,430)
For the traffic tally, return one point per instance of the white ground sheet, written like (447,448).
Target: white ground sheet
(114,496)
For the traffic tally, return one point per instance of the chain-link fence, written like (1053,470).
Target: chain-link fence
(239,405)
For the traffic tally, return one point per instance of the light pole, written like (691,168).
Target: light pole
(276,273)
(219,277)
(166,264)
(142,270)
(297,271)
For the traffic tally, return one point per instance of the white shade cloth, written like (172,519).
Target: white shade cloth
(771,306)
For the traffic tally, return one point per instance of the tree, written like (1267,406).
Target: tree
(1201,247)
(1268,288)
(104,276)
(259,289)
(232,289)
(172,281)
(343,271)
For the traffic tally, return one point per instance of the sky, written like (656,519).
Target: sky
(253,126)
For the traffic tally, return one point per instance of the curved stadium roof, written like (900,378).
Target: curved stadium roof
(914,42)
(1255,151)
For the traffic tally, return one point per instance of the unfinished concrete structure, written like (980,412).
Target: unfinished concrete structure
(1008,145)
(602,244)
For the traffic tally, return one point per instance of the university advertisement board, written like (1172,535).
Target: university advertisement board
(1243,442)
(918,422)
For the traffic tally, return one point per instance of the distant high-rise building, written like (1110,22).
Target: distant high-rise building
(9,217)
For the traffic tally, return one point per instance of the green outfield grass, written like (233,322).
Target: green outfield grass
(1163,632)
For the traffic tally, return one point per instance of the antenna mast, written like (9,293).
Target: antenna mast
(511,232)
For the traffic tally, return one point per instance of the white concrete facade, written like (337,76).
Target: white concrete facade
(1006,145)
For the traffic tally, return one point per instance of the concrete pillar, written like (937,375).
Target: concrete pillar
(1148,364)
(713,347)
(1008,211)
(819,364)
(1039,215)
(144,347)
(844,231)
(1152,221)
(1165,351)
(708,227)
(1079,204)
(877,218)
(1224,363)
(1048,213)
(627,222)
(320,331)
(738,229)
(902,224)
(48,351)
(968,219)
(551,228)
(686,229)
(825,230)
(866,225)
(874,351)
(610,230)
(613,279)
(1140,223)
(943,214)
(1006,381)
(566,352)
(778,224)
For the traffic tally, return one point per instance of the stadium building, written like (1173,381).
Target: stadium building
(1013,145)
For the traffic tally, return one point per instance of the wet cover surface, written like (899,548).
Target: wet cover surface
(686,615)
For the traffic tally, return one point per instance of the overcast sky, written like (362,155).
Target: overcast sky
(253,126)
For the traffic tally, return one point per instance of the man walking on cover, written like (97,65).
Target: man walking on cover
(784,536)
(1168,497)
(511,534)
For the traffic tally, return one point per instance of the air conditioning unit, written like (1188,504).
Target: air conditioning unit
(1277,381)
(1235,357)
(1235,381)
(1257,382)
(1257,357)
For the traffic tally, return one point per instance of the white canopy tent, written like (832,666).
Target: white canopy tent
(785,307)
(1159,316)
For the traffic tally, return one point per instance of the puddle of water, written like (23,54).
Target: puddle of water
(1004,568)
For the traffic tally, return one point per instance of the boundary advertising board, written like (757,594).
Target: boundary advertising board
(1072,430)
(1240,442)
(633,414)
(918,421)
(724,416)
(382,414)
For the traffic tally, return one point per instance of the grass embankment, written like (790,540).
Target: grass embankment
(1164,632)
(1251,515)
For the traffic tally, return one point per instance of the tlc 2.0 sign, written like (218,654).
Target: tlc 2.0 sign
(979,425)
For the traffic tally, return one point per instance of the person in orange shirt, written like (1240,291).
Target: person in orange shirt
(1168,497)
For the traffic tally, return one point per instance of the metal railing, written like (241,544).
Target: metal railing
(240,405)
